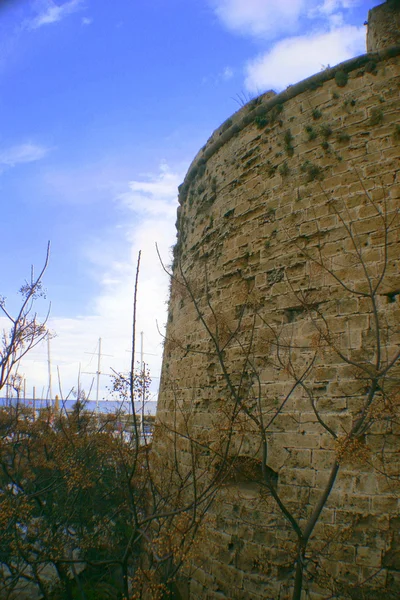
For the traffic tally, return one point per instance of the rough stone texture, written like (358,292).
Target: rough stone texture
(261,205)
(383,26)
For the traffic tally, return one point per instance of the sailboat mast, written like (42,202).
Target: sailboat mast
(98,376)
(49,369)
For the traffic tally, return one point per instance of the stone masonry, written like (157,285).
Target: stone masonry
(285,301)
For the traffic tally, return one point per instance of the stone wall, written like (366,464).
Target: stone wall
(284,300)
(384,26)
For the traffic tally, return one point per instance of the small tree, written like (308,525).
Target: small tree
(84,511)
(26,329)
(83,514)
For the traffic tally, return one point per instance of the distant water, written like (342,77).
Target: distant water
(105,406)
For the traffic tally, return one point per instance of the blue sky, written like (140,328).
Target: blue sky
(102,108)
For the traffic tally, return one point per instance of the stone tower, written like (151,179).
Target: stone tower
(384,26)
(280,381)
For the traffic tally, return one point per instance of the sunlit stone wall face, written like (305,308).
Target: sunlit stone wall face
(282,220)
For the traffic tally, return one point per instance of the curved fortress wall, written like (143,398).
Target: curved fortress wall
(281,222)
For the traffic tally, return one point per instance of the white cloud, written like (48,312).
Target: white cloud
(267,20)
(332,11)
(328,40)
(87,21)
(260,17)
(37,14)
(220,78)
(227,73)
(148,210)
(156,196)
(21,153)
(330,6)
(293,59)
(52,12)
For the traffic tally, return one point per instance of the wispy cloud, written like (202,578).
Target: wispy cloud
(81,184)
(288,57)
(295,58)
(220,78)
(87,21)
(227,73)
(21,153)
(146,216)
(331,6)
(332,11)
(260,17)
(29,18)
(268,20)
(154,195)
(52,12)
